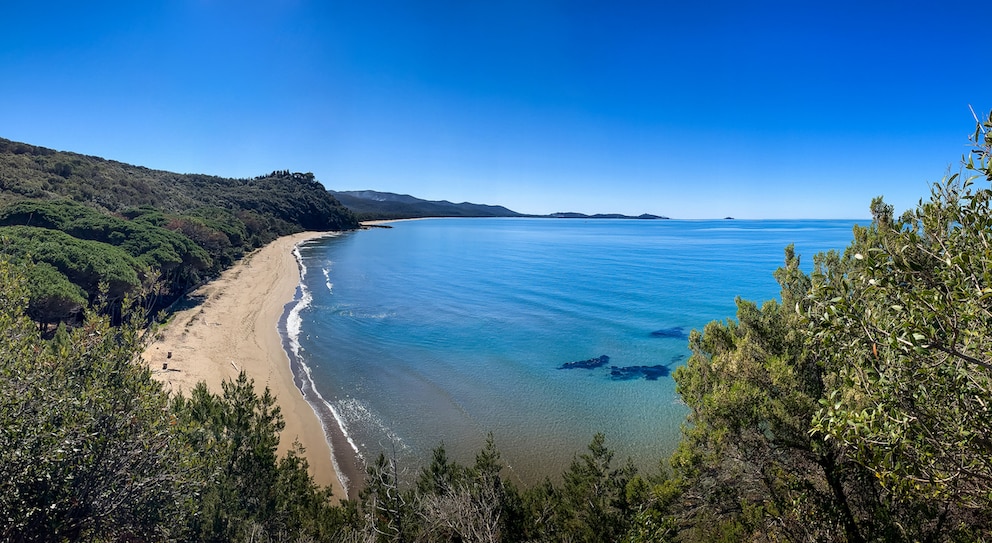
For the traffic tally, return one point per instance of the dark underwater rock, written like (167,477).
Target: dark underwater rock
(676,332)
(627,373)
(586,364)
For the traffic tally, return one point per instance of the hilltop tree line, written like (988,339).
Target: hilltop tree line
(856,409)
(91,230)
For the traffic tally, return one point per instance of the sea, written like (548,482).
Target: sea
(540,332)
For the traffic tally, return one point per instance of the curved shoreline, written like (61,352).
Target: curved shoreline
(234,327)
(344,457)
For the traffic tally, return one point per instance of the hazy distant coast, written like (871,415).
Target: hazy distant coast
(371,206)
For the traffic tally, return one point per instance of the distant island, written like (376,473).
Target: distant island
(573,215)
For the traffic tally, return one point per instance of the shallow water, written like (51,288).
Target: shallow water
(442,330)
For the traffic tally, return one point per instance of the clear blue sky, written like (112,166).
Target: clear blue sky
(794,109)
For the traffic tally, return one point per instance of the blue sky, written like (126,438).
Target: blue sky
(762,109)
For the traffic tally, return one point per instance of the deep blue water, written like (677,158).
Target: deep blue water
(442,330)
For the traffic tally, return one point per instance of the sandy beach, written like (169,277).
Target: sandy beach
(234,328)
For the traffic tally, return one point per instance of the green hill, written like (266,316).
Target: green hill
(95,228)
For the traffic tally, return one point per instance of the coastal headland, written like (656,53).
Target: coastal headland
(232,327)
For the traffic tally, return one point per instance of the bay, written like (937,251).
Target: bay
(443,330)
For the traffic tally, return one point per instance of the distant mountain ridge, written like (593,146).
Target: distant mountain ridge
(370,205)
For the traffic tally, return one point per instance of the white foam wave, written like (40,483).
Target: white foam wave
(294,322)
(327,280)
(299,262)
(338,420)
(344,428)
(358,413)
(362,315)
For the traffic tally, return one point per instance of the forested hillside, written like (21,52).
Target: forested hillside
(99,229)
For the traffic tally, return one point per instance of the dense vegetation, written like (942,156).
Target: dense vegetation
(91,448)
(856,409)
(101,230)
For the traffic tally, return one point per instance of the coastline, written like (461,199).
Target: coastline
(383,222)
(236,326)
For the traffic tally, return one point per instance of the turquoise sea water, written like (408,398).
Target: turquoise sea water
(442,330)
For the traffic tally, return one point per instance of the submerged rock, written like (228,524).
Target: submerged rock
(586,364)
(676,332)
(621,373)
(650,373)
